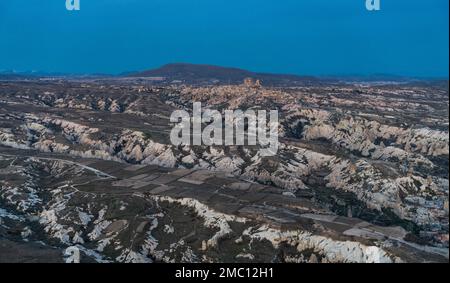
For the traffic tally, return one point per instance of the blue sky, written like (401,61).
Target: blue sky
(314,37)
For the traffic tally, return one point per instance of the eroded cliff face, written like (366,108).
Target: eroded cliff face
(379,154)
(403,193)
(116,226)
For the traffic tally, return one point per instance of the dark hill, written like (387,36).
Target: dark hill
(192,73)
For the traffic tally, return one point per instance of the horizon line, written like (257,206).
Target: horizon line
(124,73)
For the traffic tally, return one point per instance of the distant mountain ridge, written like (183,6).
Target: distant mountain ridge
(198,73)
(212,74)
(13,74)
